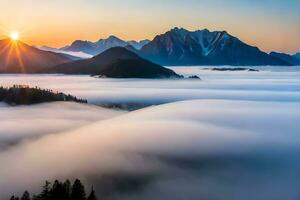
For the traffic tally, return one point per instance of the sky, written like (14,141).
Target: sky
(272,25)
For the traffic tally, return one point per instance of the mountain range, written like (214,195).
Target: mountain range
(175,47)
(183,47)
(116,62)
(18,57)
(94,48)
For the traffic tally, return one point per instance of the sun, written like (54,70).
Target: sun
(14,36)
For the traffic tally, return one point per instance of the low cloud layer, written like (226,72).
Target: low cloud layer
(213,149)
(252,86)
(236,136)
(26,122)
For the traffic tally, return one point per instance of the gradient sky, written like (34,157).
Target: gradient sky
(268,24)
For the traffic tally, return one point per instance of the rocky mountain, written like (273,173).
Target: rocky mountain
(202,47)
(117,62)
(18,57)
(291,59)
(94,48)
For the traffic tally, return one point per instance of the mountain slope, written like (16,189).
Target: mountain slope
(81,46)
(74,55)
(94,48)
(202,47)
(297,55)
(116,62)
(18,57)
(291,59)
(138,44)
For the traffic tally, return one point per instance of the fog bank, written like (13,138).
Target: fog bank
(265,85)
(19,123)
(192,149)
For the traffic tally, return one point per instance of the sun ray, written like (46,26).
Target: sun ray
(19,58)
(5,48)
(8,56)
(13,57)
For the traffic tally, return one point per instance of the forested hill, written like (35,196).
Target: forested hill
(60,191)
(24,95)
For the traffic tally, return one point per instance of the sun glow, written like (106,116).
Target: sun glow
(14,36)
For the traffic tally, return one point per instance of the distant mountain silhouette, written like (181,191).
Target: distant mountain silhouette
(94,48)
(117,62)
(18,57)
(291,59)
(202,47)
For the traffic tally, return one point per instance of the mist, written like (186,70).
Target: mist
(266,85)
(170,149)
(230,135)
(20,123)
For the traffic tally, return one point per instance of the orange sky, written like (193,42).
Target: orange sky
(271,25)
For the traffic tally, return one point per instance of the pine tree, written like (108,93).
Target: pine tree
(45,194)
(25,196)
(67,187)
(58,191)
(92,195)
(78,191)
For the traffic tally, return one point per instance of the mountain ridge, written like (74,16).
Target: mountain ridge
(116,62)
(94,48)
(293,59)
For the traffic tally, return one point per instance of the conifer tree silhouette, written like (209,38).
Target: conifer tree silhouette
(92,195)
(60,191)
(78,191)
(25,196)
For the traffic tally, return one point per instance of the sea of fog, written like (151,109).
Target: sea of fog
(230,135)
(267,85)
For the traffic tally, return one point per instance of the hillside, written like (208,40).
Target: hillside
(18,57)
(117,62)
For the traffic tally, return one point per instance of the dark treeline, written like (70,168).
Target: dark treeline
(60,191)
(24,95)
